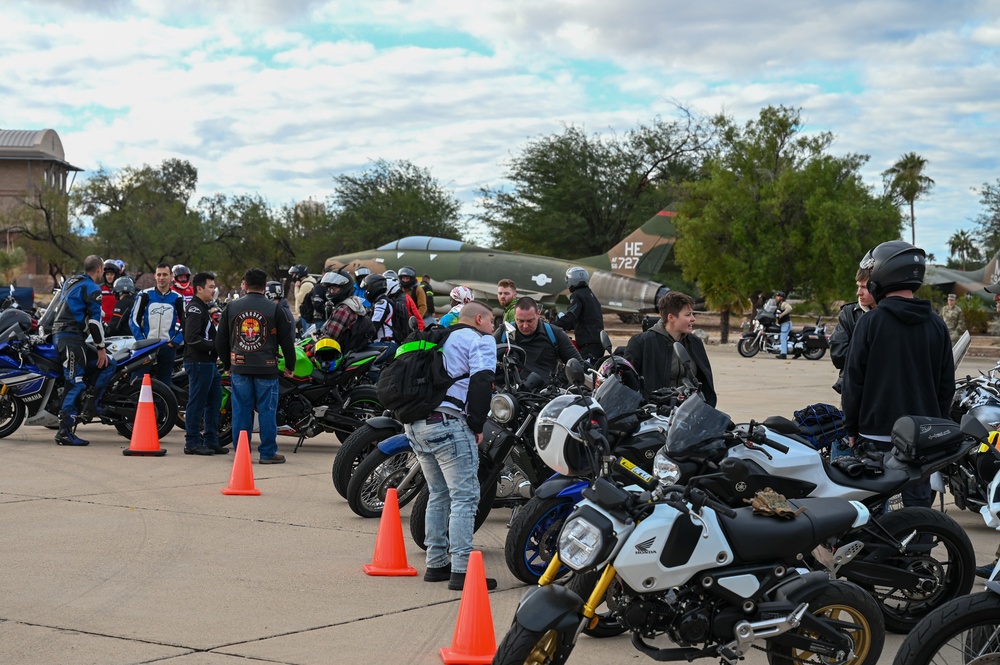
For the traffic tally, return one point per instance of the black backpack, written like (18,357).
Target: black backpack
(358,336)
(415,381)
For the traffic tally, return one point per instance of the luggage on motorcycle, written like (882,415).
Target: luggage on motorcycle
(415,381)
(822,424)
(814,340)
(924,440)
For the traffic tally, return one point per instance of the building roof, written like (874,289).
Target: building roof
(31,144)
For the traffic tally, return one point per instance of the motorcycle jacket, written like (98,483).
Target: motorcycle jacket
(584,316)
(80,311)
(471,357)
(840,339)
(784,312)
(350,325)
(108,302)
(199,333)
(250,333)
(158,315)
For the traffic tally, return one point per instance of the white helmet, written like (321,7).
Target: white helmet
(462,295)
(391,285)
(558,437)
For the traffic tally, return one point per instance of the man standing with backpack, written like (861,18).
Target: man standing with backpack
(446,444)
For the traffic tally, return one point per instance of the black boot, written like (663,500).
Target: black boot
(66,436)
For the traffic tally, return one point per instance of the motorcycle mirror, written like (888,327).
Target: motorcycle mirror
(961,348)
(413,324)
(574,371)
(735,470)
(972,427)
(683,358)
(606,342)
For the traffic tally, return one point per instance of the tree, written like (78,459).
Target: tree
(387,201)
(774,211)
(43,224)
(962,245)
(11,261)
(906,182)
(244,232)
(989,219)
(577,195)
(142,216)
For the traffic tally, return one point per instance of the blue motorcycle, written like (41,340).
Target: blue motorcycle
(31,383)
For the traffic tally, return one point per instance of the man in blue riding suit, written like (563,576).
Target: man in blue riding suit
(158,313)
(83,367)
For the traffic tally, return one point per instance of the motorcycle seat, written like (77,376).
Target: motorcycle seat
(143,343)
(759,538)
(886,483)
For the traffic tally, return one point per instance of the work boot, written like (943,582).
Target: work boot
(66,436)
(781,356)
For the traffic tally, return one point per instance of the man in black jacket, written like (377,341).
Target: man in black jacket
(583,314)
(652,352)
(840,340)
(544,345)
(250,333)
(204,382)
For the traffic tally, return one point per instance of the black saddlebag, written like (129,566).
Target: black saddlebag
(922,440)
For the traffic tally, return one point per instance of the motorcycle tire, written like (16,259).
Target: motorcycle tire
(418,514)
(814,354)
(965,628)
(607,625)
(748,347)
(355,448)
(843,602)
(955,576)
(533,536)
(363,402)
(375,475)
(164,403)
(12,413)
(521,645)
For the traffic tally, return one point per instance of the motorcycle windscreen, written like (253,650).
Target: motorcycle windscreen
(616,399)
(693,425)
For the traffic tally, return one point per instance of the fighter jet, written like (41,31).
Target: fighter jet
(965,281)
(619,278)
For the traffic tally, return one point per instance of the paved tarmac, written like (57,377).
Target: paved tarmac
(113,560)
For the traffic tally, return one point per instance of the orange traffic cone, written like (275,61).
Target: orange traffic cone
(145,439)
(241,479)
(474,641)
(389,559)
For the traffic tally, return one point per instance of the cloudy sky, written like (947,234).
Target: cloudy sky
(281,95)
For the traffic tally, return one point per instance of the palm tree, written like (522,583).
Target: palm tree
(962,245)
(906,182)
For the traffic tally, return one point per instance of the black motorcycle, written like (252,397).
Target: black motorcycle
(765,335)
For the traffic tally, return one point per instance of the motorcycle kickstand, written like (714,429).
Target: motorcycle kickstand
(513,514)
(298,444)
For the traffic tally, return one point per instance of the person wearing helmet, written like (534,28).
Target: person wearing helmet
(405,307)
(583,314)
(124,293)
(460,296)
(429,316)
(274,291)
(783,314)
(158,313)
(302,283)
(900,361)
(383,311)
(446,445)
(347,320)
(359,289)
(181,284)
(201,418)
(544,345)
(652,352)
(112,271)
(411,286)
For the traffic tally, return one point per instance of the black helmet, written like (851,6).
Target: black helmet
(181,270)
(111,266)
(360,274)
(780,294)
(576,277)
(298,271)
(407,277)
(895,265)
(338,285)
(123,285)
(273,290)
(374,287)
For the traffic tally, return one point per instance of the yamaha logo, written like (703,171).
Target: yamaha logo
(741,487)
(650,454)
(644,546)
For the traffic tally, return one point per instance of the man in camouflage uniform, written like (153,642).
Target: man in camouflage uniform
(953,318)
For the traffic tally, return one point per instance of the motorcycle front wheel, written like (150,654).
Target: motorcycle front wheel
(362,404)
(12,412)
(363,441)
(533,536)
(850,610)
(520,646)
(418,514)
(375,475)
(748,347)
(164,403)
(964,630)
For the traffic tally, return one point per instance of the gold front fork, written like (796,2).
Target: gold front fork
(600,589)
(550,572)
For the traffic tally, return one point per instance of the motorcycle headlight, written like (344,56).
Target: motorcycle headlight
(579,543)
(666,470)
(503,407)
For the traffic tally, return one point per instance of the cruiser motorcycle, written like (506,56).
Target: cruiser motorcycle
(765,335)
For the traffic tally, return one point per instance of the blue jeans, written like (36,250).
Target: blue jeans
(80,370)
(449,460)
(251,393)
(204,402)
(786,328)
(163,369)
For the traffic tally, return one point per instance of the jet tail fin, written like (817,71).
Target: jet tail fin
(641,253)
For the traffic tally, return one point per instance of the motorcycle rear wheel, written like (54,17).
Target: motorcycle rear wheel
(814,354)
(844,602)
(164,403)
(748,347)
(355,448)
(12,412)
(964,630)
(521,645)
(418,514)
(375,475)
(363,403)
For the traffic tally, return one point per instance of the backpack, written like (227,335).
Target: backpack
(359,335)
(415,381)
(400,317)
(430,298)
(822,424)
